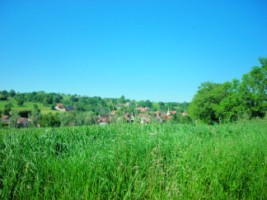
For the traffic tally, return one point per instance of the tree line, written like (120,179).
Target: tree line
(232,100)
(213,103)
(81,110)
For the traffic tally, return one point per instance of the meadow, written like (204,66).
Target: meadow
(133,161)
(26,106)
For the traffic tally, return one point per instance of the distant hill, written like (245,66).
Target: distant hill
(47,102)
(54,109)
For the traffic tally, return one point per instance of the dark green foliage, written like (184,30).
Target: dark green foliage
(254,90)
(230,101)
(3,125)
(7,109)
(20,99)
(12,93)
(50,120)
(178,118)
(203,105)
(24,113)
(3,95)
(13,119)
(35,116)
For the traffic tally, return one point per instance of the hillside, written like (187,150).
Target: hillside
(26,106)
(54,109)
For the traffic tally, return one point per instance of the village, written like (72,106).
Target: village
(122,114)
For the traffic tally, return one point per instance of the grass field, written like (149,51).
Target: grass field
(132,161)
(26,106)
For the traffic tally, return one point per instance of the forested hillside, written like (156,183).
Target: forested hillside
(55,109)
(213,103)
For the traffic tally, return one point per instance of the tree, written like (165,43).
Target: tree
(67,119)
(122,100)
(13,119)
(35,115)
(7,108)
(204,106)
(3,95)
(50,120)
(229,108)
(24,113)
(254,90)
(20,100)
(12,93)
(48,100)
(232,100)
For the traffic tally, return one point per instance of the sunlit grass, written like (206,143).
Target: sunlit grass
(27,106)
(132,161)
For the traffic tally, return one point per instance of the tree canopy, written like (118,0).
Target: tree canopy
(230,101)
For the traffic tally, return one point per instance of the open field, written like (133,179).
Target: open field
(131,161)
(27,106)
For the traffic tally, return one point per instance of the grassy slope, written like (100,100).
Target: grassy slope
(26,106)
(135,162)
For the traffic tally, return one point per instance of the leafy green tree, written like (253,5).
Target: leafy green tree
(35,115)
(50,120)
(74,98)
(7,108)
(24,113)
(80,106)
(162,106)
(57,98)
(48,100)
(13,119)
(205,103)
(3,95)
(122,100)
(20,100)
(12,93)
(254,90)
(84,118)
(67,119)
(229,107)
(231,100)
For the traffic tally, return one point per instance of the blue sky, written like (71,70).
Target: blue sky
(158,50)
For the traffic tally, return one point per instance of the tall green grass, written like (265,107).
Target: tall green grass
(133,161)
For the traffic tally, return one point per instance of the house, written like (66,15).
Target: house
(156,113)
(173,112)
(113,112)
(127,103)
(60,107)
(162,116)
(103,119)
(5,119)
(168,117)
(159,113)
(129,117)
(22,122)
(144,118)
(159,119)
(143,109)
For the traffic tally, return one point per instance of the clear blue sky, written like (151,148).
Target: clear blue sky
(160,50)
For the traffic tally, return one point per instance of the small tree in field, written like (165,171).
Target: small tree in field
(35,115)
